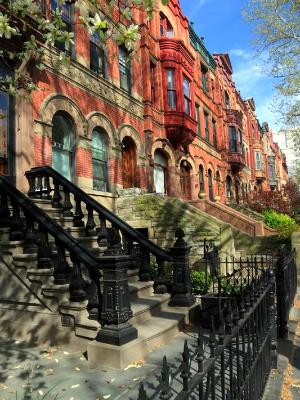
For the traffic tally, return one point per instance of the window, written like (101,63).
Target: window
(232,139)
(214,124)
(228,187)
(152,81)
(97,55)
(67,15)
(272,173)
(125,70)
(63,136)
(241,150)
(171,89)
(197,115)
(204,71)
(99,160)
(213,89)
(186,94)
(258,164)
(227,100)
(201,178)
(206,126)
(160,172)
(166,28)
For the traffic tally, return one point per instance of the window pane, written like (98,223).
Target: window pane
(171,99)
(96,59)
(99,154)
(170,79)
(186,87)
(124,69)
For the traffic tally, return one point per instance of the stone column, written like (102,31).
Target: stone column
(296,244)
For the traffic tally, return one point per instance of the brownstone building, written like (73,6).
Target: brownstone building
(169,121)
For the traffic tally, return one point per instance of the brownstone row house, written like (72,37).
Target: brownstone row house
(170,121)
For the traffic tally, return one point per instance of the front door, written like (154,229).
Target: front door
(129,163)
(185,181)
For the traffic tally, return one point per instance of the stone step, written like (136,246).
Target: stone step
(144,308)
(4,234)
(12,246)
(153,333)
(41,276)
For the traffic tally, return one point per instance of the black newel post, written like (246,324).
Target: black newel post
(16,225)
(182,288)
(116,310)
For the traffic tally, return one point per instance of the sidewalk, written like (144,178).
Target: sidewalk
(284,383)
(67,376)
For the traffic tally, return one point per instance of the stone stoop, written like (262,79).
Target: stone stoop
(161,216)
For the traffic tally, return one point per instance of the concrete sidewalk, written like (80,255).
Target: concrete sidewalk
(284,383)
(67,375)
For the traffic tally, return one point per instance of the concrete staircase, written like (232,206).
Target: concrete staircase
(32,307)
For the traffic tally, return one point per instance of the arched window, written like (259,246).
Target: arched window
(201,178)
(63,138)
(210,185)
(129,163)
(218,179)
(166,28)
(160,172)
(228,187)
(100,158)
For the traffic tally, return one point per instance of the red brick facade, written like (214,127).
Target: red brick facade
(183,129)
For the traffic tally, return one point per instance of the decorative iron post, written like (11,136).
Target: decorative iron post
(116,310)
(273,318)
(182,288)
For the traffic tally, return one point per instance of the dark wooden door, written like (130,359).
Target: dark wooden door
(129,163)
(185,181)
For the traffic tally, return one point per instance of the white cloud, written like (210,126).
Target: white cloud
(252,81)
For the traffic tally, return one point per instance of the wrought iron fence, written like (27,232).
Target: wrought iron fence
(286,286)
(240,350)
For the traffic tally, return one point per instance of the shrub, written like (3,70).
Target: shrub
(284,224)
(200,282)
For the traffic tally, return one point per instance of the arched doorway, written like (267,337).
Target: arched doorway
(129,163)
(228,188)
(63,141)
(100,159)
(185,180)
(160,172)
(210,185)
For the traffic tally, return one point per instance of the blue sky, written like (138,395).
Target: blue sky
(221,24)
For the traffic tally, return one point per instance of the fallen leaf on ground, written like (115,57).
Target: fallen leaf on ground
(40,392)
(3,386)
(107,396)
(77,369)
(74,386)
(56,360)
(65,352)
(48,371)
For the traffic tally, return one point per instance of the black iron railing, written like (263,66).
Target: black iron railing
(286,282)
(45,182)
(41,235)
(38,233)
(238,355)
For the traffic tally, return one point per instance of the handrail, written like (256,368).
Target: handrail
(69,243)
(103,211)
